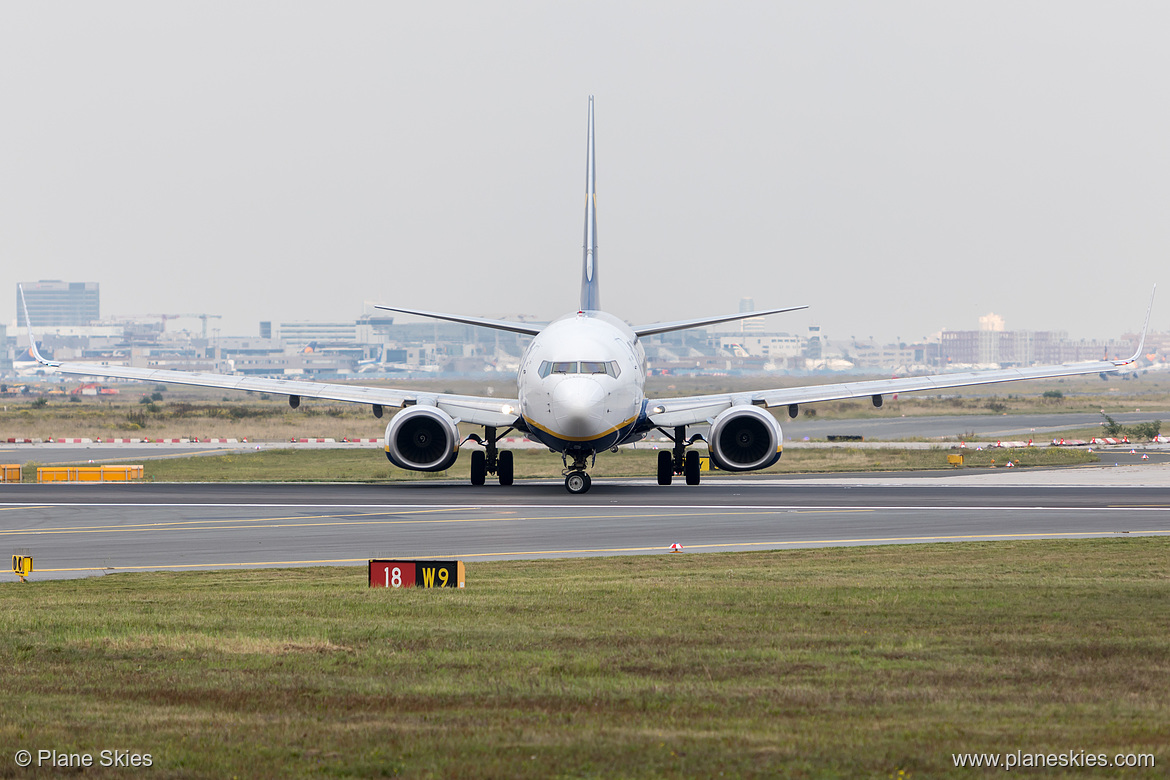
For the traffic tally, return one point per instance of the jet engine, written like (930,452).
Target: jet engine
(422,438)
(745,438)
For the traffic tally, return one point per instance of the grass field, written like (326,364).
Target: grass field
(825,663)
(370,465)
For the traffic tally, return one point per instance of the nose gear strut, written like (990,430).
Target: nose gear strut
(576,479)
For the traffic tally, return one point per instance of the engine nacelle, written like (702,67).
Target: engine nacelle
(745,438)
(422,438)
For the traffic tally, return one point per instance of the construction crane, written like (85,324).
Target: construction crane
(204,317)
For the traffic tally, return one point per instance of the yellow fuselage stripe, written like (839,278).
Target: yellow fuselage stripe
(562,437)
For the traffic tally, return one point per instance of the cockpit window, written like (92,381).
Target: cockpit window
(609,368)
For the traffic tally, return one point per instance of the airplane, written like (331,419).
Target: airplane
(581,391)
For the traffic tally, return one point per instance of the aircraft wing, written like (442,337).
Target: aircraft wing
(473,409)
(669,412)
(477,410)
(697,409)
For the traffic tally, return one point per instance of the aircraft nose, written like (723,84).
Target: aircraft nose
(579,407)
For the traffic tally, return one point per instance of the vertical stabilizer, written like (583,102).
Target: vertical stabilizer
(590,297)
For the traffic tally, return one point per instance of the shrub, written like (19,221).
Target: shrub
(1112,427)
(1147,430)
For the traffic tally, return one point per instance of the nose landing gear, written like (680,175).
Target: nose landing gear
(577,482)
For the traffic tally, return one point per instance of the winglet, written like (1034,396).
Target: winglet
(1142,341)
(32,341)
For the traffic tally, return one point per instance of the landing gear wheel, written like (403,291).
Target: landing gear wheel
(665,467)
(577,482)
(504,467)
(692,468)
(478,467)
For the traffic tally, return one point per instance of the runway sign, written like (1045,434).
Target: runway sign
(416,574)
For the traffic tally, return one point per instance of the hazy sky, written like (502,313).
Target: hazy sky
(900,167)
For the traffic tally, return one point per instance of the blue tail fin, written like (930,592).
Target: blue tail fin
(590,294)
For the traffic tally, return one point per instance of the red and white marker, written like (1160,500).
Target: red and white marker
(676,547)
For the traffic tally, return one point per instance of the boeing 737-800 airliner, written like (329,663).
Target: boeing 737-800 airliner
(581,391)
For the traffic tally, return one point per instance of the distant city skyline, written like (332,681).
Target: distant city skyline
(56,291)
(899,167)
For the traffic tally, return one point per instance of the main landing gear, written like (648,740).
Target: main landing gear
(576,479)
(490,460)
(679,460)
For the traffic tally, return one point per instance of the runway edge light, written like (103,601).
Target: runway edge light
(383,573)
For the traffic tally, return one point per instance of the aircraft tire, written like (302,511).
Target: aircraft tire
(665,467)
(577,482)
(504,467)
(692,467)
(478,467)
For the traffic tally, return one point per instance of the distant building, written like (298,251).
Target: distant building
(5,349)
(991,321)
(56,304)
(1024,347)
(298,334)
(751,324)
(777,346)
(814,349)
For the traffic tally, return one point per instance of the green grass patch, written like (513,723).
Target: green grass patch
(824,663)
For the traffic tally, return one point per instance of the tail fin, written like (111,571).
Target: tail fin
(590,295)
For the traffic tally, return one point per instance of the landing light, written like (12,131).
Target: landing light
(507,409)
(658,410)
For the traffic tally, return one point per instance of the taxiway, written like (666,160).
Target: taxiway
(84,530)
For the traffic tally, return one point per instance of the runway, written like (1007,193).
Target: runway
(85,530)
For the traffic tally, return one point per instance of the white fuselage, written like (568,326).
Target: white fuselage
(582,383)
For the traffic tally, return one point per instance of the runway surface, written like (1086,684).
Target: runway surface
(84,530)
